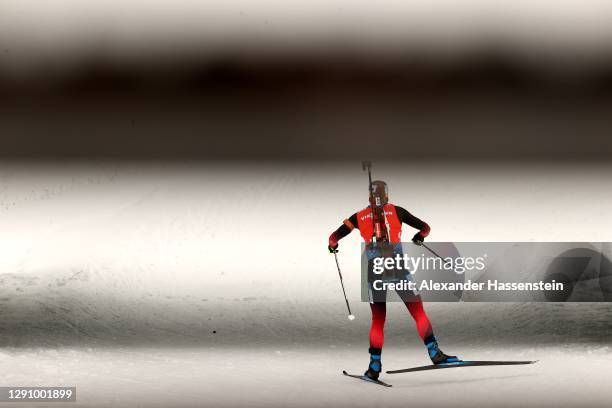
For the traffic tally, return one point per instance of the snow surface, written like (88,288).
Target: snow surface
(128,281)
(301,376)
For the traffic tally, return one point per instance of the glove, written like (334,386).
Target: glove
(418,239)
(332,249)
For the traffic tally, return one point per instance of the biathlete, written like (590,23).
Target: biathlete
(381,222)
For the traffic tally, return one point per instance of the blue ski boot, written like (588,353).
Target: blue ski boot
(437,356)
(375,365)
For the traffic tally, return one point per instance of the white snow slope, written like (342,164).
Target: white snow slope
(210,284)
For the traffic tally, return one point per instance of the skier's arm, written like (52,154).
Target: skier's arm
(414,222)
(347,226)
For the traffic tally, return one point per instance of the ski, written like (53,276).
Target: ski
(367,379)
(457,364)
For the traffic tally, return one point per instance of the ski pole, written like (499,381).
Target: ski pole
(367,165)
(433,252)
(350,316)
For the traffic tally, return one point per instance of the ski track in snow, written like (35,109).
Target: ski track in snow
(280,377)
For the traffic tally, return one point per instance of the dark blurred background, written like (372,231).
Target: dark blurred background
(345,94)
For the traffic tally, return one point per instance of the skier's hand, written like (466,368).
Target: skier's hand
(418,239)
(332,249)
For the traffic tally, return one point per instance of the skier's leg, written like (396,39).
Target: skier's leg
(377,333)
(414,304)
(377,338)
(415,307)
